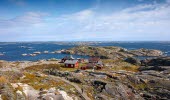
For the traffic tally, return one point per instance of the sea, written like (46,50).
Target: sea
(12,51)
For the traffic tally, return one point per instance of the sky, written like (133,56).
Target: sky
(84,20)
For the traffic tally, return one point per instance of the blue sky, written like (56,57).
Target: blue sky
(84,20)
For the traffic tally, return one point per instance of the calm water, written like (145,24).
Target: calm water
(13,51)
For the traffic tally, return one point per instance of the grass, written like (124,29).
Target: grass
(120,65)
(12,76)
(139,86)
(40,68)
(82,64)
(108,61)
(36,68)
(3,80)
(37,84)
(89,92)
(68,69)
(8,92)
(1,64)
(32,80)
(19,88)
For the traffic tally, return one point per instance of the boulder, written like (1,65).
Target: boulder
(20,95)
(7,92)
(120,91)
(146,52)
(133,60)
(73,79)
(156,68)
(161,61)
(134,79)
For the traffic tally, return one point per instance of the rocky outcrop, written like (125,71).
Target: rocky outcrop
(73,79)
(160,61)
(132,60)
(144,85)
(121,91)
(7,92)
(57,73)
(157,85)
(156,68)
(20,95)
(146,52)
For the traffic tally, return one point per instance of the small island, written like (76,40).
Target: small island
(112,52)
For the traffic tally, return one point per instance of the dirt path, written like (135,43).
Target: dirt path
(84,94)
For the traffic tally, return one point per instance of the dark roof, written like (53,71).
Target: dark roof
(70,61)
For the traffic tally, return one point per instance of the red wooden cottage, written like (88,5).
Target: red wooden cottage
(71,63)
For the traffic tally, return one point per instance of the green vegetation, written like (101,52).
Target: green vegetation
(3,80)
(68,69)
(120,65)
(108,52)
(42,67)
(36,68)
(1,64)
(140,86)
(89,92)
(82,64)
(12,76)
(43,82)
(7,92)
(34,81)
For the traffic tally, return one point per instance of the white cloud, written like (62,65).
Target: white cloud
(140,21)
(29,18)
(168,1)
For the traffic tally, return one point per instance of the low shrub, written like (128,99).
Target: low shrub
(43,66)
(3,80)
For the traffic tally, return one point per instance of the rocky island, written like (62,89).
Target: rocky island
(111,52)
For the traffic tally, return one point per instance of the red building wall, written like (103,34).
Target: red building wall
(72,65)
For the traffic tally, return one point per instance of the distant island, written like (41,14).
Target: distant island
(112,52)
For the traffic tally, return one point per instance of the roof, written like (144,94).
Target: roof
(100,63)
(70,61)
